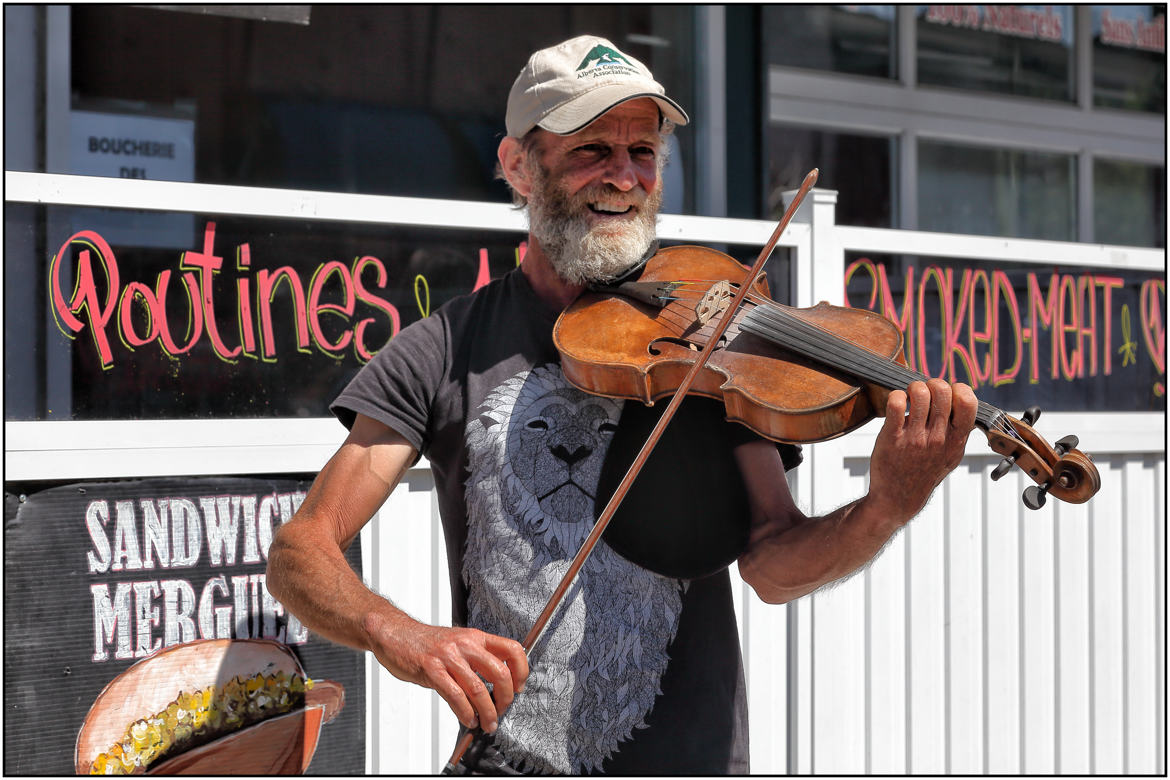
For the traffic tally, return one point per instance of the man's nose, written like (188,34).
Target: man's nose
(619,170)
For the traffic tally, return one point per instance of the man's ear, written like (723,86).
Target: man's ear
(511,156)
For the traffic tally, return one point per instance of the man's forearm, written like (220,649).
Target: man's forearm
(797,561)
(316,584)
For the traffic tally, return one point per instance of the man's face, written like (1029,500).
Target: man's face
(595,194)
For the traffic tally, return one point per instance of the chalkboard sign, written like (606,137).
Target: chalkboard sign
(1063,338)
(101,575)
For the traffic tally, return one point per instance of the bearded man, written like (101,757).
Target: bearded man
(639,671)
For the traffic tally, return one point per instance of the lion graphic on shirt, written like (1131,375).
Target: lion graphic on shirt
(536,450)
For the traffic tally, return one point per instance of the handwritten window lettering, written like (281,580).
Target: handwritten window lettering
(134,618)
(991,328)
(334,304)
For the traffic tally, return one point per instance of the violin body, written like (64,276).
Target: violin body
(617,346)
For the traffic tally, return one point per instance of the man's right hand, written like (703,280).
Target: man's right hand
(455,662)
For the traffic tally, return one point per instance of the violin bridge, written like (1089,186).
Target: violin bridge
(713,302)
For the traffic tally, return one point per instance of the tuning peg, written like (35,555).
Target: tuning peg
(1031,415)
(1069,442)
(1034,496)
(1004,467)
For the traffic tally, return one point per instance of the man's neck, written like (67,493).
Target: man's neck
(537,268)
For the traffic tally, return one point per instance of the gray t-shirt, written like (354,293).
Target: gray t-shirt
(636,672)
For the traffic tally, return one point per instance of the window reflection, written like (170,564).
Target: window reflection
(1129,57)
(377,99)
(859,167)
(1129,203)
(858,39)
(996,192)
(1024,50)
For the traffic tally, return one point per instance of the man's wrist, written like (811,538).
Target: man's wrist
(883,514)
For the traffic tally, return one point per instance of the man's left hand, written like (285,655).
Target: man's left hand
(916,450)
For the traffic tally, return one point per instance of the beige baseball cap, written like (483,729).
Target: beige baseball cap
(565,87)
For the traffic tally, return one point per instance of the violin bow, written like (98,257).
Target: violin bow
(475,739)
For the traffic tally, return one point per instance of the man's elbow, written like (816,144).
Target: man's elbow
(276,573)
(773,597)
(767,589)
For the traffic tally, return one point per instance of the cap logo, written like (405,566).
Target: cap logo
(611,60)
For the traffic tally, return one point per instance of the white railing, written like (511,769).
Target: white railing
(985,639)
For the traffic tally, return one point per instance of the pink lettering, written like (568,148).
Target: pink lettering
(316,308)
(85,293)
(208,265)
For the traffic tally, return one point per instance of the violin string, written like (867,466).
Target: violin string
(818,344)
(767,320)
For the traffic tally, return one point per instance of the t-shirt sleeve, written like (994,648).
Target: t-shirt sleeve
(398,387)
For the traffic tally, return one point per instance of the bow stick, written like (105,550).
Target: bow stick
(475,738)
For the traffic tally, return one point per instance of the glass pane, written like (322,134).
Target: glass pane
(1013,49)
(1067,338)
(1129,203)
(99,325)
(379,99)
(841,38)
(1129,57)
(859,167)
(996,192)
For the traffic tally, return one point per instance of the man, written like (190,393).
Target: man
(638,672)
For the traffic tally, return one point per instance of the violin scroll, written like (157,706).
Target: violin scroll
(1060,470)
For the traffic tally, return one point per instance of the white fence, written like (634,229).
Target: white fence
(987,638)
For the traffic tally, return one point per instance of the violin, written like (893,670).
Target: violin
(791,375)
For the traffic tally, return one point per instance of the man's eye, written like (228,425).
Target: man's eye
(643,151)
(538,425)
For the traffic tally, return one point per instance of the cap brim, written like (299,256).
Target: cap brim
(576,115)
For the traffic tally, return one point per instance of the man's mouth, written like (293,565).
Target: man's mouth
(609,209)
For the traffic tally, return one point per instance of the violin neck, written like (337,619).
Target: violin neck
(783,328)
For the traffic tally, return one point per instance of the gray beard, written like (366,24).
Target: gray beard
(581,253)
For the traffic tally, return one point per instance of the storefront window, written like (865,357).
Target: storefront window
(1129,57)
(251,318)
(378,99)
(996,192)
(859,167)
(857,39)
(1024,50)
(1129,203)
